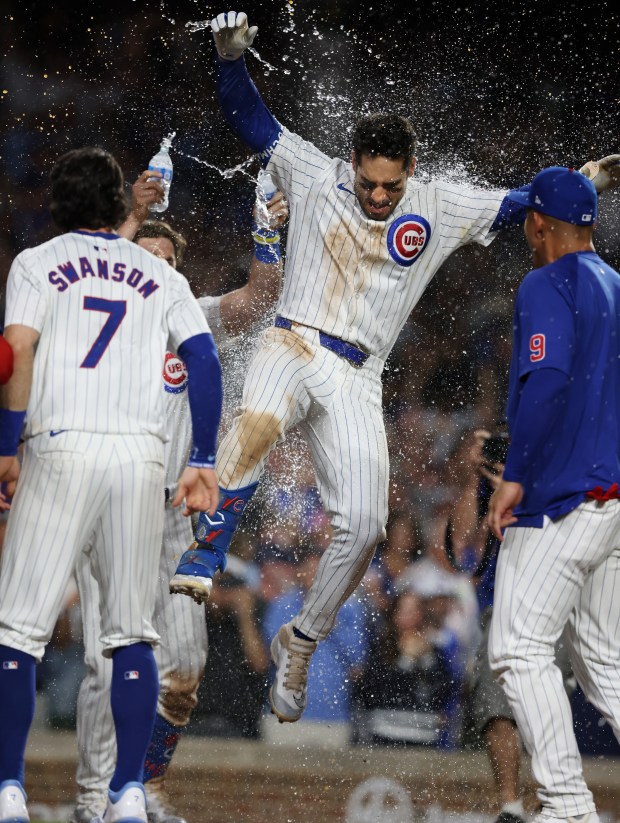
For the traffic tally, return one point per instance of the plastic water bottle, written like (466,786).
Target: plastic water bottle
(161,162)
(265,190)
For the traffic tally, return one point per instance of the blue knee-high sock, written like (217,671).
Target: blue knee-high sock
(135,686)
(161,748)
(214,534)
(17,697)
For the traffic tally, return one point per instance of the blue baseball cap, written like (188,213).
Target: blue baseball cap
(562,193)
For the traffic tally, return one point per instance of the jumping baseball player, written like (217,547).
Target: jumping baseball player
(364,242)
(182,653)
(90,316)
(559,564)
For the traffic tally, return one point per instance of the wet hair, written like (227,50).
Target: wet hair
(385,135)
(87,190)
(159,228)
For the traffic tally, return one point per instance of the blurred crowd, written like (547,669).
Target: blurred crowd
(396,666)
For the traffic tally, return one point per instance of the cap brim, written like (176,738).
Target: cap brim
(520,197)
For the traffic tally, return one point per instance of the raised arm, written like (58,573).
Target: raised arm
(242,307)
(145,191)
(242,105)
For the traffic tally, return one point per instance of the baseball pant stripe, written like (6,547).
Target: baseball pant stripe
(535,594)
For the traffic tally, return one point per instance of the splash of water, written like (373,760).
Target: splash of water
(199,25)
(226,174)
(261,59)
(290,10)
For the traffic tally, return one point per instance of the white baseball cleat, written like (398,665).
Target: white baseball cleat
(291,656)
(13,802)
(198,588)
(128,805)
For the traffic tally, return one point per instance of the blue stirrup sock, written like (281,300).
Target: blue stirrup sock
(214,534)
(161,748)
(17,698)
(135,686)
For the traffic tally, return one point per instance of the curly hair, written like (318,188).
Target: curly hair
(87,190)
(159,228)
(385,135)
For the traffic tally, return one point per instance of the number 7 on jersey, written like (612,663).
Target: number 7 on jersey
(116,310)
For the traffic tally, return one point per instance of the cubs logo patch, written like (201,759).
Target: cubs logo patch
(175,374)
(407,238)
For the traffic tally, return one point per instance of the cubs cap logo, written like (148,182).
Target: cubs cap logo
(175,374)
(407,238)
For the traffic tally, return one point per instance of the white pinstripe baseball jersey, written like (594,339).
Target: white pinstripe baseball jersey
(99,301)
(355,278)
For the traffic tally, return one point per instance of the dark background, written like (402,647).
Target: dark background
(495,91)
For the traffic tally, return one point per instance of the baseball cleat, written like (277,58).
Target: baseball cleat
(194,573)
(291,656)
(13,802)
(198,588)
(128,805)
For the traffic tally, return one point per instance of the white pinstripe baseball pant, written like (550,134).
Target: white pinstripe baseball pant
(337,406)
(69,485)
(566,572)
(181,658)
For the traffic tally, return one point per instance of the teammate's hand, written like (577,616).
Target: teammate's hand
(604,173)
(274,212)
(503,500)
(199,488)
(9,472)
(145,191)
(232,35)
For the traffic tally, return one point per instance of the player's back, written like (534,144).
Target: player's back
(104,313)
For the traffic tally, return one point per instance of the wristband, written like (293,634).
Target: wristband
(11,425)
(266,244)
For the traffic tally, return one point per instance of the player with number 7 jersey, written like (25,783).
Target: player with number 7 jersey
(90,317)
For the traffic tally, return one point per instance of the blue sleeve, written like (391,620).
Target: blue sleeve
(510,213)
(541,403)
(204,389)
(545,324)
(243,107)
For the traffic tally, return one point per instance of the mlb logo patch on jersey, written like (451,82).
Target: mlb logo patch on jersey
(10,665)
(132,675)
(407,238)
(175,374)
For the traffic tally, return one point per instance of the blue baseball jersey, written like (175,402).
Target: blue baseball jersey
(567,317)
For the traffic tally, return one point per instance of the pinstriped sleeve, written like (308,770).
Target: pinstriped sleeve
(469,213)
(26,299)
(295,164)
(184,316)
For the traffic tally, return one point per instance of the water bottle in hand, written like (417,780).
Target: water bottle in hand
(265,190)
(161,162)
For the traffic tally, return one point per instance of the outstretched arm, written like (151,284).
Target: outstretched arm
(242,307)
(242,105)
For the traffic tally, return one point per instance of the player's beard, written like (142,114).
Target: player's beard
(381,211)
